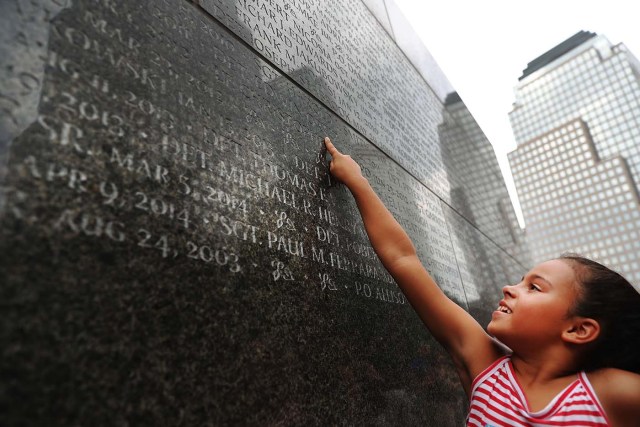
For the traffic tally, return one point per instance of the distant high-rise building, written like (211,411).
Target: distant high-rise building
(576,120)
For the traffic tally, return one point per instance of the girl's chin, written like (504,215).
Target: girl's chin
(492,328)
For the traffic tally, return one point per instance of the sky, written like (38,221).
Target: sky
(483,46)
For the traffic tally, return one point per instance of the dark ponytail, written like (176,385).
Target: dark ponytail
(610,299)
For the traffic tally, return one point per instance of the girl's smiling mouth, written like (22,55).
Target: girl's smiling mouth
(503,308)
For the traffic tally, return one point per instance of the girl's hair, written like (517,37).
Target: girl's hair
(610,299)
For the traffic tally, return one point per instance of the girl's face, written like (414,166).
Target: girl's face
(534,312)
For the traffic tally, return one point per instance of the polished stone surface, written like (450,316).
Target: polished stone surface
(484,267)
(173,248)
(365,78)
(415,50)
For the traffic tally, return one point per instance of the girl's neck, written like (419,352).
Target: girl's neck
(538,370)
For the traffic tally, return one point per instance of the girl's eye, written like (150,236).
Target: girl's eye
(534,287)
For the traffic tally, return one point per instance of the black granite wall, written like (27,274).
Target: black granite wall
(173,250)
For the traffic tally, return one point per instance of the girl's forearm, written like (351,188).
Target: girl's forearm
(387,237)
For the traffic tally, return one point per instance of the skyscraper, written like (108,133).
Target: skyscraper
(576,119)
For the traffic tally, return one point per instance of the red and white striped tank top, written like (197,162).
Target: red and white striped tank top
(497,400)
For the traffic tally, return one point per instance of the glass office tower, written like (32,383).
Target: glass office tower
(576,120)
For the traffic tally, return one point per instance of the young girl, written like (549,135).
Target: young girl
(572,327)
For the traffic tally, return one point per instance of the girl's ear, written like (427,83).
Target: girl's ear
(582,330)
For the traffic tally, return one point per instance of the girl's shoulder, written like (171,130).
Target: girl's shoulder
(619,393)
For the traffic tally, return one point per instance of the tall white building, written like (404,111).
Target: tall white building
(576,120)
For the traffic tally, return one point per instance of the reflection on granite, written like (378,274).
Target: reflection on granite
(371,83)
(173,248)
(484,267)
(378,9)
(477,189)
(420,57)
(419,212)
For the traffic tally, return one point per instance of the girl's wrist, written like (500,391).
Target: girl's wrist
(358,183)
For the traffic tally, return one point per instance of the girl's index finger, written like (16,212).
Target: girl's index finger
(330,147)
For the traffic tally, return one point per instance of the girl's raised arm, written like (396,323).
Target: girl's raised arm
(471,348)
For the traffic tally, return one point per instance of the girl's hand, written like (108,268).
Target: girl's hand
(342,166)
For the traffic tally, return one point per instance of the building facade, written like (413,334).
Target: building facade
(576,120)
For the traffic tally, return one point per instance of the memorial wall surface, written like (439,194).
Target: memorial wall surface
(173,250)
